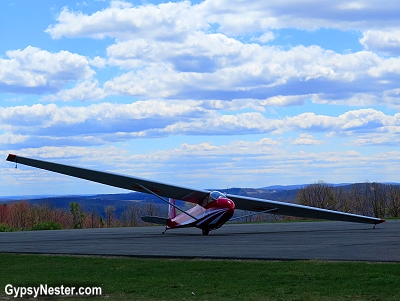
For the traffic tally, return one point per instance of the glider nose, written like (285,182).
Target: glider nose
(226,203)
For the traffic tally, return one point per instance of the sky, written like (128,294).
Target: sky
(202,94)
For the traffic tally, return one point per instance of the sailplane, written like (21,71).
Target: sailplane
(212,208)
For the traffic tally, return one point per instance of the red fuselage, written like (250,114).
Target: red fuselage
(210,217)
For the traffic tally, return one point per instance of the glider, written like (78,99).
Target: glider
(212,209)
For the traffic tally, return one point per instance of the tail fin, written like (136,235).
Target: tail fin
(161,220)
(171,209)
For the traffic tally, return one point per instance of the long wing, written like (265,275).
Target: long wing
(192,195)
(260,205)
(116,180)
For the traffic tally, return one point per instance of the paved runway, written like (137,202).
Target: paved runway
(278,241)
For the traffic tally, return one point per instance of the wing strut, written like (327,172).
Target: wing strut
(251,214)
(164,200)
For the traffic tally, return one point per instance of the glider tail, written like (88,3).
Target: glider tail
(161,220)
(171,209)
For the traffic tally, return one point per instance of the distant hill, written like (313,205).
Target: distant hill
(284,187)
(122,201)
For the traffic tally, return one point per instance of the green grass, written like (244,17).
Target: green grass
(216,280)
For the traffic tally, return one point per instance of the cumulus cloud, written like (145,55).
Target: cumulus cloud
(188,55)
(98,62)
(122,20)
(238,163)
(234,70)
(386,42)
(266,37)
(83,90)
(354,122)
(33,70)
(239,17)
(92,125)
(106,123)
(180,51)
(306,139)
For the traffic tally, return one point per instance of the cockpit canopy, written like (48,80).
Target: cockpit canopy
(215,195)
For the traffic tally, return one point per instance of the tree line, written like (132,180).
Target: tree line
(25,216)
(371,199)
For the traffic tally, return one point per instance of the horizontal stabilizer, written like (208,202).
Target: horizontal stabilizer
(155,220)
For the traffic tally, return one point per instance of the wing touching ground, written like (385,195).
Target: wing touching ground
(116,180)
(254,204)
(192,195)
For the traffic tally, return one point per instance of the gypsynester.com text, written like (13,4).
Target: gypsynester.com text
(45,290)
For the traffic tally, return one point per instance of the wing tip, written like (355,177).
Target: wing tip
(12,158)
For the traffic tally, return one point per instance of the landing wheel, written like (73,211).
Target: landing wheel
(205,232)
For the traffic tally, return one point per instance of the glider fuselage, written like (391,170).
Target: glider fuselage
(211,217)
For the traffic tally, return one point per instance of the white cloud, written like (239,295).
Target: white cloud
(93,125)
(122,20)
(184,51)
(98,62)
(388,139)
(386,42)
(266,37)
(216,124)
(197,46)
(312,122)
(237,70)
(306,139)
(105,123)
(12,139)
(39,71)
(354,122)
(239,163)
(83,90)
(153,82)
(239,17)
(365,119)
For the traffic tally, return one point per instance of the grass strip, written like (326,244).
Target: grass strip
(163,279)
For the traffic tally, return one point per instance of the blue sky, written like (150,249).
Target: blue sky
(205,94)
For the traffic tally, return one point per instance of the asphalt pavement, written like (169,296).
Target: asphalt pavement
(272,241)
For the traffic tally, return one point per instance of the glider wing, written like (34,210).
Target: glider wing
(116,180)
(281,208)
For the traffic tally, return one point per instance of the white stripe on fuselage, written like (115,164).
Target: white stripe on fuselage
(213,217)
